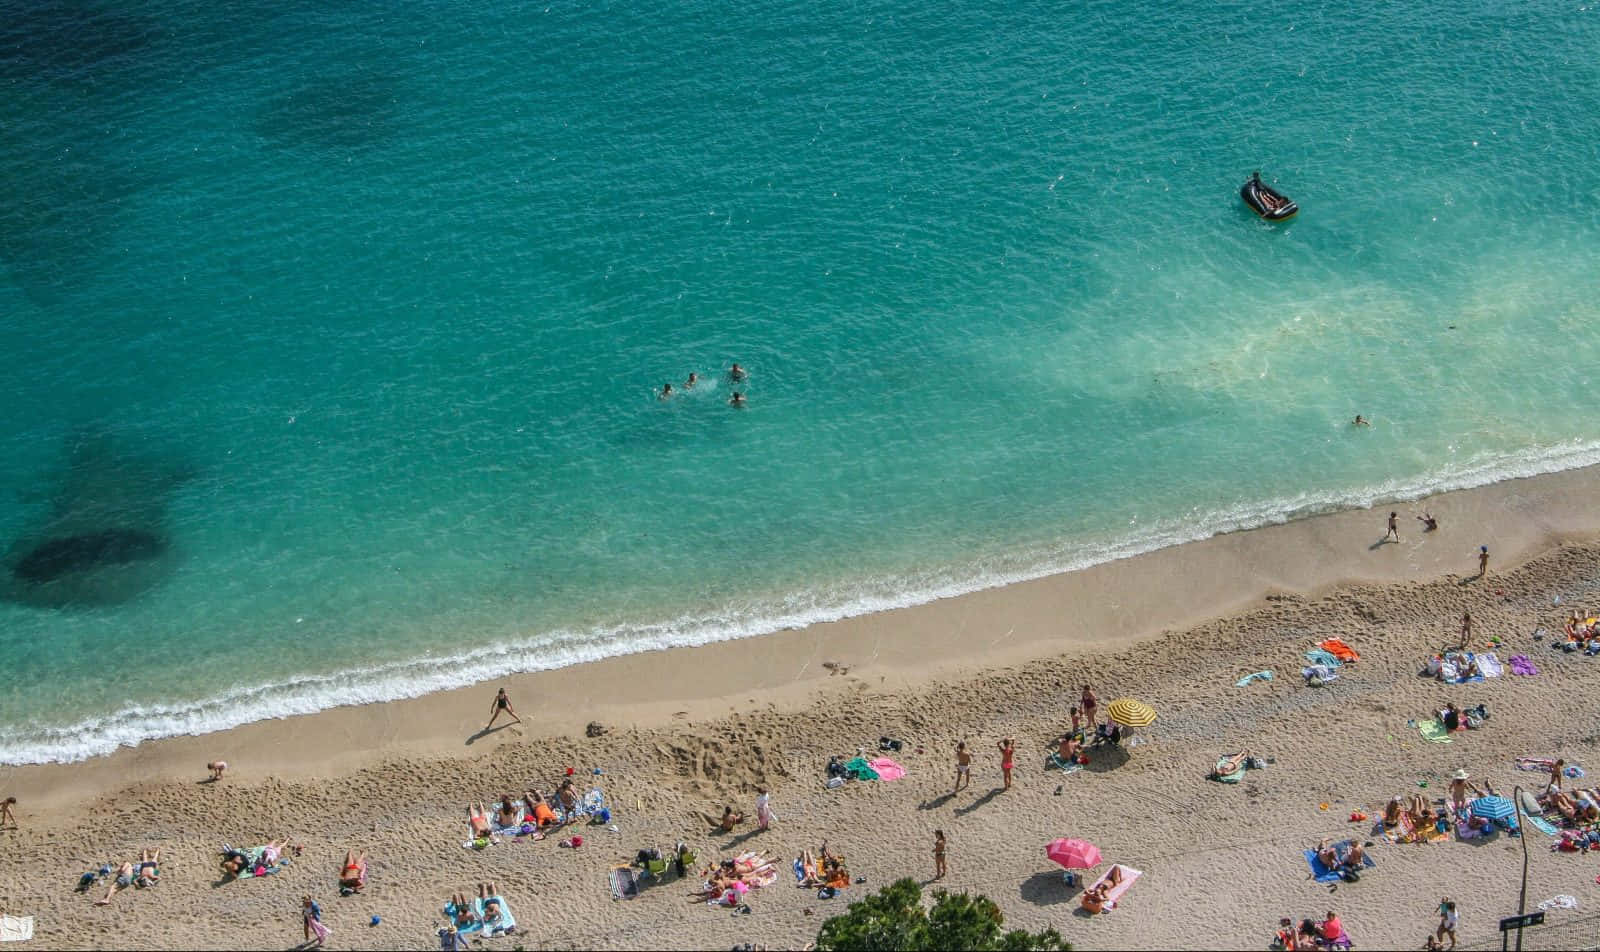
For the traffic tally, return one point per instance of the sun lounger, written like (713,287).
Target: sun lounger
(1129,877)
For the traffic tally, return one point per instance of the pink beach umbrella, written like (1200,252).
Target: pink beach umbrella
(1073,854)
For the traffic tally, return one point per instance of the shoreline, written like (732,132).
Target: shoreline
(1107,605)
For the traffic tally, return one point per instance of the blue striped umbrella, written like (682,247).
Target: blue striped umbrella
(1493,808)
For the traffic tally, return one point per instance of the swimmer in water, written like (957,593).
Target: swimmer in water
(737,400)
(1360,421)
(666,392)
(736,372)
(694,378)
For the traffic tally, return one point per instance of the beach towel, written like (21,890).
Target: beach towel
(1323,874)
(504,925)
(1053,760)
(1520,664)
(1543,826)
(1559,902)
(16,928)
(1339,650)
(624,884)
(1258,676)
(1318,656)
(1129,877)
(859,769)
(1489,664)
(886,769)
(1433,730)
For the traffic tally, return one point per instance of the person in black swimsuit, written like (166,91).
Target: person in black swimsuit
(501,703)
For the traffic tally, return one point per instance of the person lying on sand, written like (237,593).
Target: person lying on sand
(478,819)
(1354,857)
(123,880)
(149,868)
(353,875)
(510,812)
(1096,897)
(466,918)
(810,874)
(568,795)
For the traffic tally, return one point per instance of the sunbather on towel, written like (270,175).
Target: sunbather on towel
(466,917)
(1391,813)
(1095,898)
(539,810)
(509,813)
(1328,854)
(810,875)
(478,819)
(1562,804)
(1232,765)
(494,916)
(567,795)
(353,875)
(1067,750)
(1354,857)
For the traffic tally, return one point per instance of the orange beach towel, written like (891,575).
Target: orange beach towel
(1340,650)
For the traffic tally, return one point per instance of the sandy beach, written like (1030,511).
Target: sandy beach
(692,730)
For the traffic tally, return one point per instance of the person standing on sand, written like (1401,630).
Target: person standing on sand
(1007,759)
(1394,528)
(1483,560)
(1090,703)
(764,812)
(6,816)
(963,767)
(1466,628)
(501,703)
(938,854)
(217,767)
(1077,720)
(1448,918)
(311,913)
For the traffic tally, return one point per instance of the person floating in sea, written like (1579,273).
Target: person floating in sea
(1360,421)
(737,373)
(1394,528)
(694,378)
(666,392)
(737,400)
(501,703)
(1429,523)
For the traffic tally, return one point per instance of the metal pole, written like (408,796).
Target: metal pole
(1522,834)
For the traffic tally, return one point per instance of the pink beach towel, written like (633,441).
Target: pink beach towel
(886,769)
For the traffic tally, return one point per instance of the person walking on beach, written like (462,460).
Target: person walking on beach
(1483,560)
(1448,917)
(963,767)
(501,703)
(938,854)
(1007,759)
(7,818)
(311,913)
(1090,703)
(217,767)
(1394,528)
(764,812)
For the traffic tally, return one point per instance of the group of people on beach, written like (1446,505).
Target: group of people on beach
(736,374)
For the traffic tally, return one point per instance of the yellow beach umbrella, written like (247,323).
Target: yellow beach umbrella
(1130,713)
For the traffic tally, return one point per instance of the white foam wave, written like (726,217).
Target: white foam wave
(135,724)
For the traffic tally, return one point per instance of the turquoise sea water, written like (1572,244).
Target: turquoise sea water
(346,319)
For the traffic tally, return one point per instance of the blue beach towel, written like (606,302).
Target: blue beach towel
(1543,826)
(1318,656)
(1325,875)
